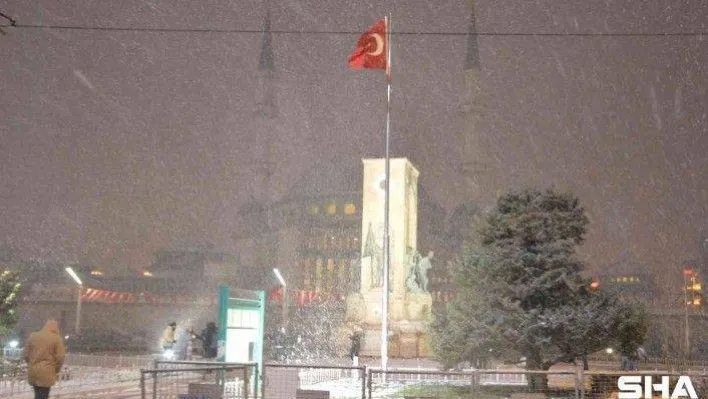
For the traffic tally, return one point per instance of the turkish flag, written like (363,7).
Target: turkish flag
(371,50)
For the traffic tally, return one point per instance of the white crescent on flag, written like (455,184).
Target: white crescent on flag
(370,50)
(379,45)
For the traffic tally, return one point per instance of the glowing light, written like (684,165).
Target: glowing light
(279,276)
(73,275)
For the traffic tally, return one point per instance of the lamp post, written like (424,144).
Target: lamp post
(688,278)
(80,284)
(285,295)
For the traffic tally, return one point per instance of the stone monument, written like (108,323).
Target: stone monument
(409,301)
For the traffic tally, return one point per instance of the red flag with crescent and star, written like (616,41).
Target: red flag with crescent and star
(371,50)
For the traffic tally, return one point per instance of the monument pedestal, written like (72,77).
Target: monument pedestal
(408,323)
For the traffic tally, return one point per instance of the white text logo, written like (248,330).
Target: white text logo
(631,387)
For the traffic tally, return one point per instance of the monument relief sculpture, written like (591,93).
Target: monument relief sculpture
(375,252)
(417,280)
(423,266)
(409,304)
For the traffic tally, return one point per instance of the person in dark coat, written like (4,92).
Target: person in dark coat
(210,340)
(44,354)
(355,347)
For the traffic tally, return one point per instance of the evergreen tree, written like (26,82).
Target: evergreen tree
(521,294)
(9,298)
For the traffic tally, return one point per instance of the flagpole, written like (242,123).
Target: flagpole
(387,253)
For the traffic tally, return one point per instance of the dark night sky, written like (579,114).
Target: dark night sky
(114,144)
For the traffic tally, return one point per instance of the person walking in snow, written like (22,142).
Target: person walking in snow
(44,354)
(168,336)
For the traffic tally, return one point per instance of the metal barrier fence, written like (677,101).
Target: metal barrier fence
(498,384)
(109,361)
(472,384)
(209,382)
(219,379)
(311,381)
(176,364)
(81,375)
(81,360)
(87,376)
(653,363)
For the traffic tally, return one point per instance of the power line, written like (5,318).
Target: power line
(12,21)
(343,32)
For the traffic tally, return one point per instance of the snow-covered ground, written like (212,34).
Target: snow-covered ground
(76,380)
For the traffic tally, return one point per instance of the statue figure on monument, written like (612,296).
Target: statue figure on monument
(412,280)
(375,252)
(417,281)
(423,266)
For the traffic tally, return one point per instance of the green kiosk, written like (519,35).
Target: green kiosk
(241,327)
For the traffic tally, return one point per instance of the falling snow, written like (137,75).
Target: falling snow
(116,143)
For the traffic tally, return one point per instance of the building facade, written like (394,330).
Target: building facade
(313,234)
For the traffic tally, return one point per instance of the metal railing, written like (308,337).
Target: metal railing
(109,361)
(283,381)
(111,377)
(474,383)
(253,373)
(208,381)
(654,363)
(79,375)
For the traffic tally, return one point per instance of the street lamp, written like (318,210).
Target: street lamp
(689,278)
(80,284)
(285,294)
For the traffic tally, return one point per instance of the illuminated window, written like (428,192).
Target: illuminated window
(349,209)
(331,209)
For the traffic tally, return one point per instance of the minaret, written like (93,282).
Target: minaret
(255,239)
(266,66)
(473,154)
(266,112)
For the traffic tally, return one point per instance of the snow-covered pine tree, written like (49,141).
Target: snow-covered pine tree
(521,293)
